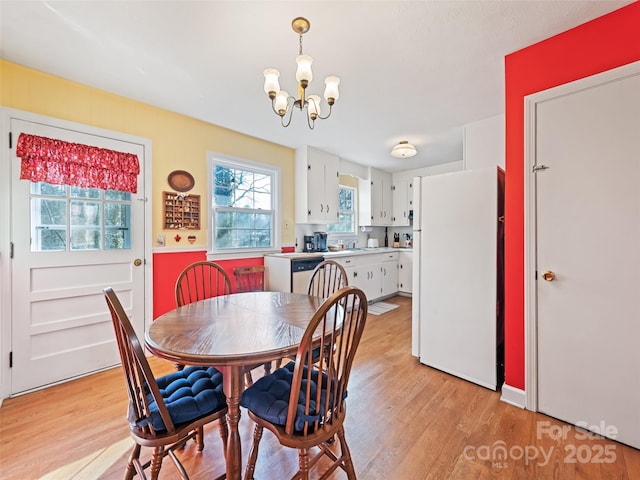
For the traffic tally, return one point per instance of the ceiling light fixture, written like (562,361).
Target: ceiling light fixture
(280,98)
(403,150)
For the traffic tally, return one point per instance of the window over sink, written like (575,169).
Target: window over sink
(346,212)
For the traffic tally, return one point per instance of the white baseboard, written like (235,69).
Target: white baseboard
(514,396)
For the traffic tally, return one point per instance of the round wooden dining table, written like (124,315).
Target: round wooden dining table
(232,332)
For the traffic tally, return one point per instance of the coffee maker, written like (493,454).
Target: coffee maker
(320,241)
(309,244)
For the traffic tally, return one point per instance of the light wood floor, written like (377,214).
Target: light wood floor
(405,421)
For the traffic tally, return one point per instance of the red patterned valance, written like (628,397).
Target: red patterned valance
(65,163)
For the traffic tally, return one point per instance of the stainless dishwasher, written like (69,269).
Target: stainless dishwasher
(301,270)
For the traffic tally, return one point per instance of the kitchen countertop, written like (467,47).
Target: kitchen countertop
(340,253)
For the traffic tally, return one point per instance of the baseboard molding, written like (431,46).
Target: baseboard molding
(514,396)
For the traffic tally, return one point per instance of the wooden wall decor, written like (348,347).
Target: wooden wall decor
(181,211)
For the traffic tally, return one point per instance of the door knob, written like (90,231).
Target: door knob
(137,262)
(548,275)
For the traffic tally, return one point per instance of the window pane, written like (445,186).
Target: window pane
(117,226)
(43,188)
(50,239)
(52,217)
(49,212)
(78,192)
(263,220)
(85,239)
(115,195)
(85,225)
(48,224)
(243,207)
(224,238)
(224,184)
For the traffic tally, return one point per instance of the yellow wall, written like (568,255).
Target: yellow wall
(178,142)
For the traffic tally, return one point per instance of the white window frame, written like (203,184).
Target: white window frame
(354,212)
(214,159)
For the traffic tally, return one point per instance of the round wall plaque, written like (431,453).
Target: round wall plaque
(181,181)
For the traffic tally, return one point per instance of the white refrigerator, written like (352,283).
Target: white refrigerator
(457,321)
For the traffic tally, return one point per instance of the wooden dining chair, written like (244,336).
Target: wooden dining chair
(201,280)
(304,402)
(166,412)
(251,279)
(328,277)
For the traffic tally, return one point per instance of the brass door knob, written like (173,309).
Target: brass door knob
(548,275)
(137,262)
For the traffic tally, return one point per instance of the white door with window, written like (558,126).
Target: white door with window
(69,243)
(587,198)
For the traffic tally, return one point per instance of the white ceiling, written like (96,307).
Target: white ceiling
(414,71)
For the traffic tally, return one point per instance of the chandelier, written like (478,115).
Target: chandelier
(282,103)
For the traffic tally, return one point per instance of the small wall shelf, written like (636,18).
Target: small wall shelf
(181,211)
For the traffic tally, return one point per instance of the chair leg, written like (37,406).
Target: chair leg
(156,462)
(133,457)
(199,438)
(346,455)
(248,379)
(267,368)
(303,461)
(253,454)
(224,433)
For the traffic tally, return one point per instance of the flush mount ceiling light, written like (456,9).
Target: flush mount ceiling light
(403,150)
(282,103)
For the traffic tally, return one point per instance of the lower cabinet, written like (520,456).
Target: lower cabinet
(375,274)
(405,271)
(389,277)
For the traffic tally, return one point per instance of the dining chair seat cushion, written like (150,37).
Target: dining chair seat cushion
(268,398)
(189,394)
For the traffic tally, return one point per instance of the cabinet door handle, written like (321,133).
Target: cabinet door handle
(321,208)
(327,208)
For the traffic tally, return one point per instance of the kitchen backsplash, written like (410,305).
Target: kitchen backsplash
(361,238)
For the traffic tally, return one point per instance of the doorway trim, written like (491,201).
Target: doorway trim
(530,212)
(6,114)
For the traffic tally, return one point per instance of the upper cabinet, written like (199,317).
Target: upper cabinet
(375,199)
(317,186)
(402,192)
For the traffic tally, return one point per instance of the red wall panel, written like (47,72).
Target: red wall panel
(167,267)
(607,42)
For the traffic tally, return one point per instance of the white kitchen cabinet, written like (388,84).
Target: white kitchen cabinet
(317,186)
(376,274)
(389,277)
(402,194)
(405,271)
(375,199)
(368,278)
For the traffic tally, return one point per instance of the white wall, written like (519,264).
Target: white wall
(426,171)
(483,143)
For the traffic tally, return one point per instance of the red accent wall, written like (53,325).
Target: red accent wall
(167,267)
(607,42)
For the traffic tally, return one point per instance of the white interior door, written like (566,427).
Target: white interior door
(68,244)
(588,235)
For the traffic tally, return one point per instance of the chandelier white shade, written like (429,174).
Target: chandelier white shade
(282,103)
(403,150)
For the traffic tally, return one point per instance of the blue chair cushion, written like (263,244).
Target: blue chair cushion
(268,398)
(188,394)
